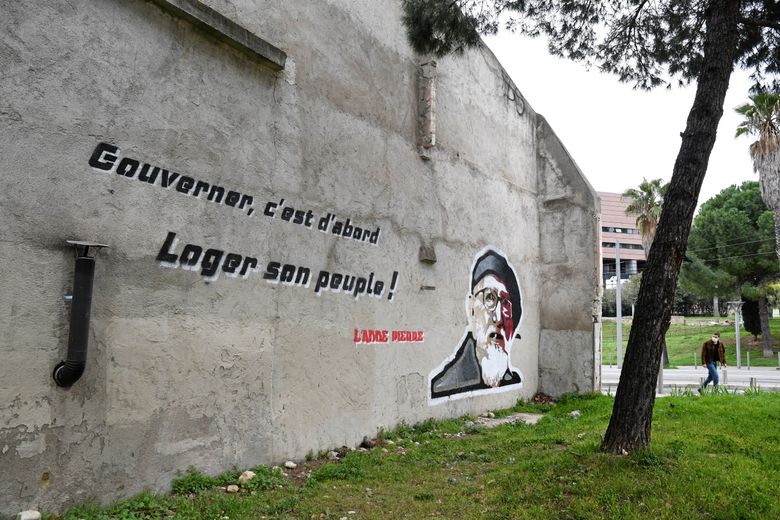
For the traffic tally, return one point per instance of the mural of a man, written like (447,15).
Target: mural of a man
(493,308)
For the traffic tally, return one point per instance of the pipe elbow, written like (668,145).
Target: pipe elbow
(68,372)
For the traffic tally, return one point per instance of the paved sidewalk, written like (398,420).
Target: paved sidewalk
(766,378)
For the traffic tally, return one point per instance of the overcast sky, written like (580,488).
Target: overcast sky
(618,135)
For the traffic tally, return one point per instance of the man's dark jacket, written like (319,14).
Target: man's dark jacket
(711,352)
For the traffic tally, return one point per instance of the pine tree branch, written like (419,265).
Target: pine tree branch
(760,23)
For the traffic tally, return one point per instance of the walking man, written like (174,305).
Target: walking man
(712,353)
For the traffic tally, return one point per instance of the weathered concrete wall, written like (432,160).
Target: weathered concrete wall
(570,340)
(184,370)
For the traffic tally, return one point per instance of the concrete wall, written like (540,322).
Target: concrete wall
(187,370)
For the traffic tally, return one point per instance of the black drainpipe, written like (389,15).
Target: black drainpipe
(69,371)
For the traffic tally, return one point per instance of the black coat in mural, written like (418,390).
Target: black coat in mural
(463,373)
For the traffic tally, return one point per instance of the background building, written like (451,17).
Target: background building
(617,227)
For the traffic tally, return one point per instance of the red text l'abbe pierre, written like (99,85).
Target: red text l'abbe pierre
(372,336)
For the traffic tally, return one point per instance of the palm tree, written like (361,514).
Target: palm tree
(762,119)
(646,203)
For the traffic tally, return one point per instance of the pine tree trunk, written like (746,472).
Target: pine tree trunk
(715,308)
(766,334)
(632,414)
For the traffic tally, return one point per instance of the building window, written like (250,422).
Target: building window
(622,246)
(627,231)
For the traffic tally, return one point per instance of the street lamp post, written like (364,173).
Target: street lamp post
(618,308)
(737,307)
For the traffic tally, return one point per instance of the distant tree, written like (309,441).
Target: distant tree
(630,290)
(628,294)
(646,43)
(646,203)
(608,303)
(762,119)
(688,304)
(703,281)
(761,296)
(734,234)
(751,317)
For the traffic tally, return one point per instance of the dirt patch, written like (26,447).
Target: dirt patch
(492,422)
(301,473)
(540,398)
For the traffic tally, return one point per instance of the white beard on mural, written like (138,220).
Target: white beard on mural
(494,362)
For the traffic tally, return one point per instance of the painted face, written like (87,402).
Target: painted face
(492,327)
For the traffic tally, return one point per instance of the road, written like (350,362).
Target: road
(766,378)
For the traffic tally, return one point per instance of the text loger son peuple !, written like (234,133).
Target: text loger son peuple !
(211,262)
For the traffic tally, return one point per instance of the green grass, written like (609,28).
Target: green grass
(683,340)
(717,456)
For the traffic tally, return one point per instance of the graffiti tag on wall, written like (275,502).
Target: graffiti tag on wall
(380,336)
(482,362)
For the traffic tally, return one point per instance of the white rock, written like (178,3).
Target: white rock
(290,465)
(232,488)
(246,476)
(575,414)
(28,515)
(491,415)
(332,455)
(390,442)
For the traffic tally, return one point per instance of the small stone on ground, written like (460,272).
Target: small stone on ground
(246,477)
